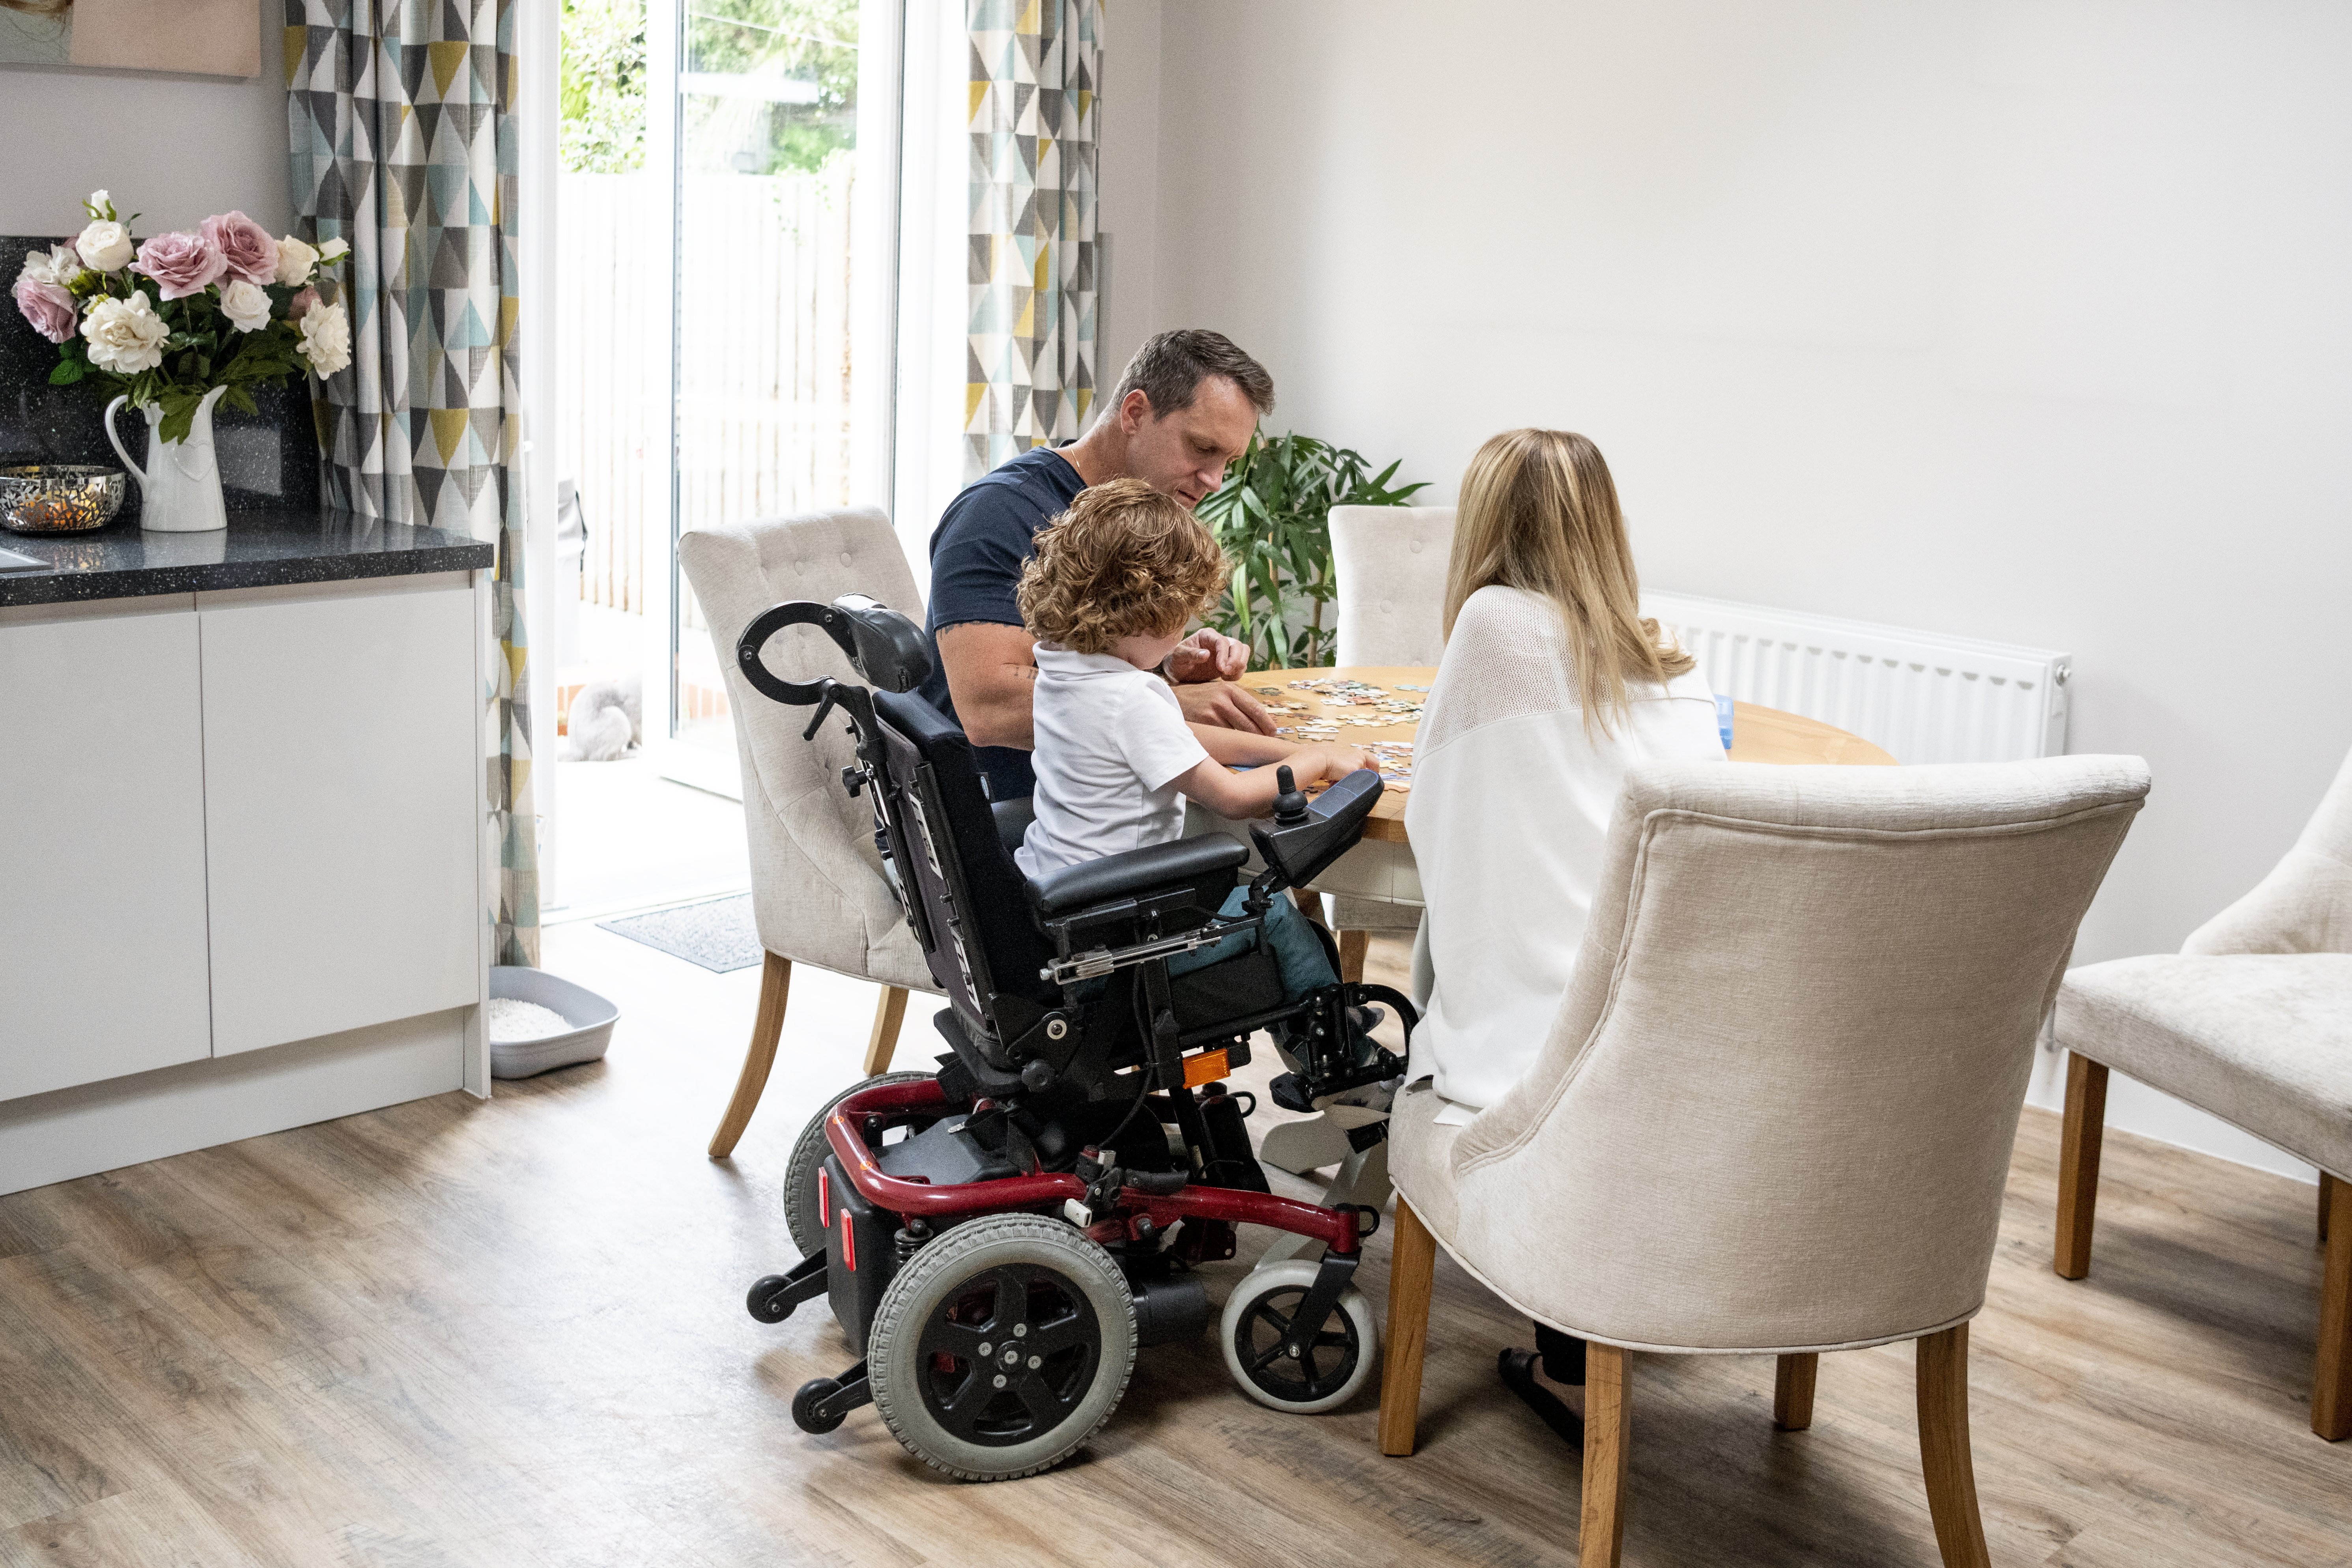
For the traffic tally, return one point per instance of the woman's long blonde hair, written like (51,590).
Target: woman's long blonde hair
(1538,512)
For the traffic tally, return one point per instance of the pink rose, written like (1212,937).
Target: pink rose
(301,304)
(49,308)
(181,264)
(245,244)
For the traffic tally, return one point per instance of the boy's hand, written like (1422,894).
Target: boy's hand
(1336,761)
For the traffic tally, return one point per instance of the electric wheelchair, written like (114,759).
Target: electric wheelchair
(997,1237)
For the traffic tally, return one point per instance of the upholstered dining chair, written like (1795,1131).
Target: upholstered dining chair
(1775,1111)
(2251,1021)
(817,890)
(1388,563)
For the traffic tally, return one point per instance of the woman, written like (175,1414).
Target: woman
(1551,687)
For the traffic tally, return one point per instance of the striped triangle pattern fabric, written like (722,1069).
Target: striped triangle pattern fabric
(1030,375)
(404,145)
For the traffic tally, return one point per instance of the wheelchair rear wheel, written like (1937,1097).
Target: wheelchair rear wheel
(808,1151)
(1000,1348)
(1256,1317)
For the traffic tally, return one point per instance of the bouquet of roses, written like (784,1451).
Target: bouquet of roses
(168,320)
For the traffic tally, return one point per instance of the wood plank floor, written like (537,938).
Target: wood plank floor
(511,1334)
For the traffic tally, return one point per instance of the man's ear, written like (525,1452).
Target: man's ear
(1134,411)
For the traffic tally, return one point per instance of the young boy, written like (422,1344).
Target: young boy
(1107,596)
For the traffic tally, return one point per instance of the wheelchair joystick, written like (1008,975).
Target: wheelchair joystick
(1290,806)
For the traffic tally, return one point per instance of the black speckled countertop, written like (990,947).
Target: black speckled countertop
(261,547)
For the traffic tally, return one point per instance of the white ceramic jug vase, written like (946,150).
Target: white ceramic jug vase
(181,479)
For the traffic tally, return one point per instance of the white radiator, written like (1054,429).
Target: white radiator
(1921,696)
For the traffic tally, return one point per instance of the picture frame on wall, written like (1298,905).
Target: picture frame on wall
(201,38)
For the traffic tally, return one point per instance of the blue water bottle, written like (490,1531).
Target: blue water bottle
(1723,720)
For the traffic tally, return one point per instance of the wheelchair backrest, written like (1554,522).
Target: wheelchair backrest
(982,944)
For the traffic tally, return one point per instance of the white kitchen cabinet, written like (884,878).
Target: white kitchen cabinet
(102,946)
(342,791)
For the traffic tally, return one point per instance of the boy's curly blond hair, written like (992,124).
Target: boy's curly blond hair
(1124,560)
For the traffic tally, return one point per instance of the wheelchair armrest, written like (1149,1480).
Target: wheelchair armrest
(1134,873)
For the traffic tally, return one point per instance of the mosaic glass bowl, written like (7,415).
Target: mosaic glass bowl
(59,498)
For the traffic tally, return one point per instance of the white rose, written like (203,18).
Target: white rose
(334,251)
(126,336)
(100,202)
(245,305)
(105,246)
(326,338)
(295,260)
(57,264)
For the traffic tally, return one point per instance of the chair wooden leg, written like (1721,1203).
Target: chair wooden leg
(1792,1392)
(1943,1459)
(776,979)
(1353,945)
(889,1013)
(1413,1269)
(2331,1382)
(1608,1434)
(2078,1164)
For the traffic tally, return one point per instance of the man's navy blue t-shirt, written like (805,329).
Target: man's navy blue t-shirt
(985,536)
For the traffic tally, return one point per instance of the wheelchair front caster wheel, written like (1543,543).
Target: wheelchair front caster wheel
(767,1301)
(1335,1363)
(809,1412)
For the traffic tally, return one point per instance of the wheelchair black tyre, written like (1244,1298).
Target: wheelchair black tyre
(975,1401)
(808,1157)
(1336,1366)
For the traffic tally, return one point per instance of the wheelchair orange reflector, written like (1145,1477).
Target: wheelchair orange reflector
(1206,1067)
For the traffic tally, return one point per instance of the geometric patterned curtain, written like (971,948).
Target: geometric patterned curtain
(1030,375)
(404,147)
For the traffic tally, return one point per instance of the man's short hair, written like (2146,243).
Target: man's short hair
(1169,367)
(1124,560)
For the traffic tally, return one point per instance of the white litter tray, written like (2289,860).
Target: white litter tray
(591,1016)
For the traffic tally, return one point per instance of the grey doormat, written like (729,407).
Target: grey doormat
(717,933)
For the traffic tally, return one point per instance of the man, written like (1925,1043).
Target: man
(1184,410)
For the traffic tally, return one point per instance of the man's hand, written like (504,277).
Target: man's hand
(1223,705)
(1208,656)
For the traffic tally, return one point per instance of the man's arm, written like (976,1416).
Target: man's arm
(992,672)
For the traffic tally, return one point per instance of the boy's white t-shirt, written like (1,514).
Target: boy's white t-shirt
(1111,744)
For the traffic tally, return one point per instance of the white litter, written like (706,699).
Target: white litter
(511,1020)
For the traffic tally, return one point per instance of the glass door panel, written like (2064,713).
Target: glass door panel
(767,171)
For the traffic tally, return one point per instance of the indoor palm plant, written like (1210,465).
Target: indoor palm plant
(1272,515)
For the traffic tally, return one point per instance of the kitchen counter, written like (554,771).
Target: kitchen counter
(262,547)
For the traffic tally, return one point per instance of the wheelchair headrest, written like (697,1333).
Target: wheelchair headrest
(886,648)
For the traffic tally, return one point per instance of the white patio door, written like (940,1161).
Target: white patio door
(773,126)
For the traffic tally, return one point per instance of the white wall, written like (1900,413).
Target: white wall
(2026,320)
(175,148)
(1128,170)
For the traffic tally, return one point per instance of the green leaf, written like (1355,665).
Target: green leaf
(179,413)
(238,398)
(67,373)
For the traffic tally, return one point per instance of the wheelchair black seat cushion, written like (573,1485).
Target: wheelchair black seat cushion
(1212,858)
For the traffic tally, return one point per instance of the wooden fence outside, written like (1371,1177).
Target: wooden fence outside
(763,359)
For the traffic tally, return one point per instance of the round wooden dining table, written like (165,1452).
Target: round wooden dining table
(1758,735)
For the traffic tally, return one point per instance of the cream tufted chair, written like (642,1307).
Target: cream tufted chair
(1775,1111)
(2251,1021)
(817,889)
(1390,562)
